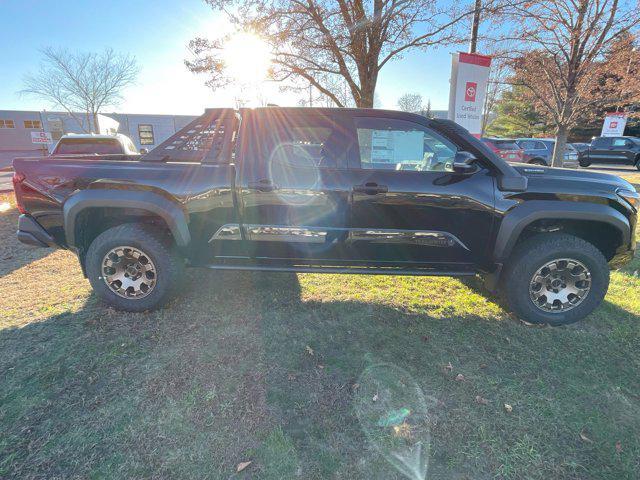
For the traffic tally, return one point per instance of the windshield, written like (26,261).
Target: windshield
(88,146)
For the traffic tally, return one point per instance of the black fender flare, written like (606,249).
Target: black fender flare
(169,211)
(517,219)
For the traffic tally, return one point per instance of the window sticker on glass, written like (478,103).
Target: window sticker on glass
(404,148)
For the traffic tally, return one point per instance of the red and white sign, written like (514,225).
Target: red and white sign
(469,76)
(614,124)
(41,137)
(470,92)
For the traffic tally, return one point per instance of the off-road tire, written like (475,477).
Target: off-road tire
(156,244)
(538,161)
(534,253)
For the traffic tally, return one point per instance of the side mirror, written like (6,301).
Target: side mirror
(143,151)
(464,163)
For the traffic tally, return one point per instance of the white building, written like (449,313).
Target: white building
(146,131)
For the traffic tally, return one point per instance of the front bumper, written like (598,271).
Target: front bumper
(31,232)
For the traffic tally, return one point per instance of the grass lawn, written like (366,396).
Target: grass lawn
(290,372)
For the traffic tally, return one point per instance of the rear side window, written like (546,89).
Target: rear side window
(601,142)
(531,145)
(390,144)
(305,141)
(80,146)
(505,144)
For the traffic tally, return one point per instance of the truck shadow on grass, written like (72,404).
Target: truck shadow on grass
(263,368)
(13,254)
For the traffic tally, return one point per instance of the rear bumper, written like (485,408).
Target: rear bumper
(31,232)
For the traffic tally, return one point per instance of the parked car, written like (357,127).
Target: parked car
(612,150)
(320,190)
(539,151)
(95,144)
(505,148)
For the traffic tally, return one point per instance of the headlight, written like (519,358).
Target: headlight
(631,197)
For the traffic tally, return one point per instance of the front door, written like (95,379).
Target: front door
(294,188)
(623,150)
(408,206)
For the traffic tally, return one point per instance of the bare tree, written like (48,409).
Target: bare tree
(84,82)
(317,41)
(562,42)
(410,102)
(496,86)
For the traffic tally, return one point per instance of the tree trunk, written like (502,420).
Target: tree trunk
(366,97)
(96,126)
(562,133)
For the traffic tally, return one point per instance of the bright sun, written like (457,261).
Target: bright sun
(247,57)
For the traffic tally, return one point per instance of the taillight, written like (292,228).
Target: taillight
(18,178)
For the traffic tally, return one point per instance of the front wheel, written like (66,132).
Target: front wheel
(133,267)
(555,279)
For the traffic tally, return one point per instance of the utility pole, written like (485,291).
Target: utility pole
(310,96)
(473,44)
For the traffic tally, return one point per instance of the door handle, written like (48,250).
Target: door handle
(370,188)
(263,185)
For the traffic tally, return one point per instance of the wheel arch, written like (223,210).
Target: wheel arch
(579,219)
(135,202)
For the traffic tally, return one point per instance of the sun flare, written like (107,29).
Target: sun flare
(247,57)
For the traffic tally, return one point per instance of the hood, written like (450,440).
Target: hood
(574,177)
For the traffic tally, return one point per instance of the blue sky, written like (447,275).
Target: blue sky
(157,32)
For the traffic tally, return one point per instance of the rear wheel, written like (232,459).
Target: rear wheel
(133,267)
(555,279)
(538,161)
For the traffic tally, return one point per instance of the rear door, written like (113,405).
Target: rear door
(294,189)
(601,150)
(408,207)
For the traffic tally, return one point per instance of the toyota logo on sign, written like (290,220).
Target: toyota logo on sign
(470,92)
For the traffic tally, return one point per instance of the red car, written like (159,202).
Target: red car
(506,149)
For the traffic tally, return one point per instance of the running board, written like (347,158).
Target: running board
(346,270)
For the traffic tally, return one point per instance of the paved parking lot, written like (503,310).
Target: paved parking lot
(612,169)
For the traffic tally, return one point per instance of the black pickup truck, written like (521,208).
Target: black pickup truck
(331,190)
(613,150)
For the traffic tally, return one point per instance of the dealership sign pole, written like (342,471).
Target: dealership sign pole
(614,124)
(469,78)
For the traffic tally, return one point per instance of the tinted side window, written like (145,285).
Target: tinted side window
(306,141)
(601,142)
(622,142)
(530,145)
(389,144)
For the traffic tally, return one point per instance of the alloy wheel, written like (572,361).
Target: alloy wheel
(129,272)
(560,285)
